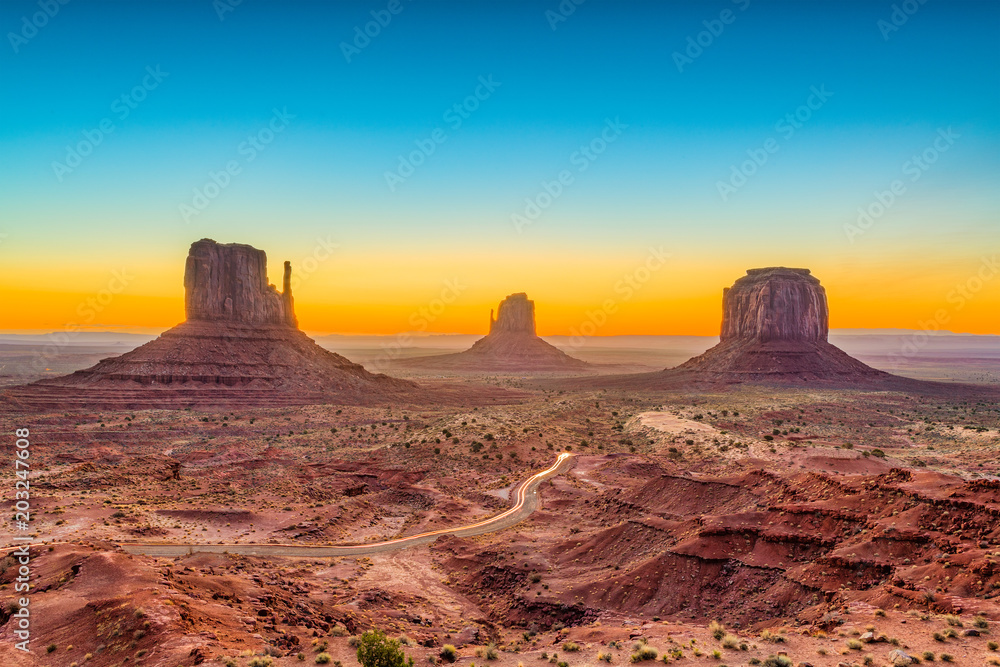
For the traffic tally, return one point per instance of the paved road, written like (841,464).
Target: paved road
(526,502)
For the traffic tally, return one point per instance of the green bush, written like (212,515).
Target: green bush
(377,650)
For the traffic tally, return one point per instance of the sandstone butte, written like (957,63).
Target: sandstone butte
(240,345)
(775,326)
(510,346)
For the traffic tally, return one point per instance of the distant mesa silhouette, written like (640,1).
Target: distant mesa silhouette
(240,345)
(511,345)
(775,326)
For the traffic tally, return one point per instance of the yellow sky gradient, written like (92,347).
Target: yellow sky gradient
(357,295)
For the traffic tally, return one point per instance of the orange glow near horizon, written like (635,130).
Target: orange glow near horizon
(659,314)
(606,292)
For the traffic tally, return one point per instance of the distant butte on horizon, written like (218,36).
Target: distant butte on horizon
(511,345)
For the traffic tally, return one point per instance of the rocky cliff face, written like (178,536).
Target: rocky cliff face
(516,314)
(775,304)
(227,282)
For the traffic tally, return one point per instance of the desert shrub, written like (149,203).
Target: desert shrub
(938,637)
(230,662)
(777,661)
(50,648)
(928,656)
(730,641)
(772,637)
(854,645)
(981,622)
(261,661)
(448,652)
(717,629)
(323,659)
(947,657)
(953,620)
(338,631)
(717,655)
(377,650)
(571,647)
(491,652)
(535,577)
(606,657)
(869,660)
(645,653)
(992,646)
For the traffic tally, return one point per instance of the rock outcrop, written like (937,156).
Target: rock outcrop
(228,282)
(775,304)
(511,346)
(775,324)
(515,314)
(240,345)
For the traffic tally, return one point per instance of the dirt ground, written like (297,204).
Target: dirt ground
(826,526)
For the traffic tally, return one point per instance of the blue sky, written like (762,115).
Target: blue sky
(657,182)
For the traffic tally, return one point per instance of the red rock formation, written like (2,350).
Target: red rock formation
(228,282)
(515,314)
(775,304)
(511,345)
(240,346)
(775,325)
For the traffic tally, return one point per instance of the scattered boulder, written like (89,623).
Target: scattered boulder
(900,658)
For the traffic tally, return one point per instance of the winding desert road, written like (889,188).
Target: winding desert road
(526,502)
